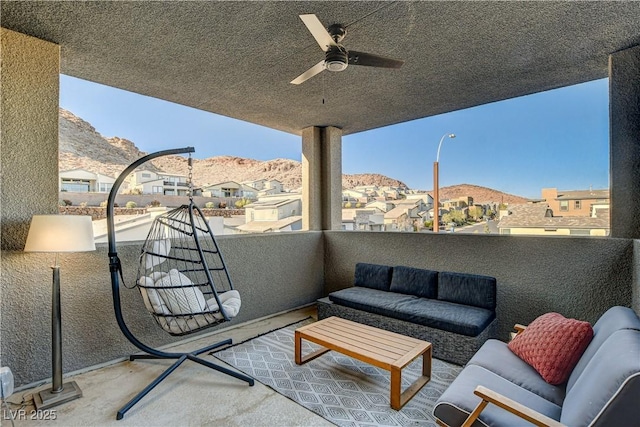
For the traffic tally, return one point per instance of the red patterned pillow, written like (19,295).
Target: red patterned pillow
(552,345)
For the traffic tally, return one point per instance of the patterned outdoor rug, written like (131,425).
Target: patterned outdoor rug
(339,388)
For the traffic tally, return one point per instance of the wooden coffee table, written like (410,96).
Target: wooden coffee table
(386,350)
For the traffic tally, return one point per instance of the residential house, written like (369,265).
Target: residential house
(397,219)
(229,189)
(168,184)
(362,220)
(273,214)
(84,181)
(575,202)
(266,187)
(538,219)
(354,196)
(381,205)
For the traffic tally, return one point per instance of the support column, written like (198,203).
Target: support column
(332,178)
(29,139)
(321,178)
(624,112)
(311,179)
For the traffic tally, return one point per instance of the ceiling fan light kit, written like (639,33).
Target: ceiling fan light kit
(337,57)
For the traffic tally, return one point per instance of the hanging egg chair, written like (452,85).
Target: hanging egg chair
(182,278)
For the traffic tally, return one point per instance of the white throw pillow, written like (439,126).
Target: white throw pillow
(183,300)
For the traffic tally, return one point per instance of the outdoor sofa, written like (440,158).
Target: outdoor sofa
(602,385)
(455,312)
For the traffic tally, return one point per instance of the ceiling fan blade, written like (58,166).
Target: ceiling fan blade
(318,31)
(316,69)
(370,60)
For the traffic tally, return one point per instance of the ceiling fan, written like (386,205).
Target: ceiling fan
(337,57)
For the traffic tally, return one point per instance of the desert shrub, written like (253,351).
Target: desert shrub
(242,203)
(104,203)
(67,202)
(222,205)
(209,205)
(131,204)
(83,204)
(154,203)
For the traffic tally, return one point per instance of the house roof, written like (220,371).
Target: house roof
(533,216)
(583,194)
(238,58)
(264,226)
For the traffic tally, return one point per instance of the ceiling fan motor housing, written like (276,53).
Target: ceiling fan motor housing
(336,58)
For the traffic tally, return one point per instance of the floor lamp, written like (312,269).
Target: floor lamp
(55,234)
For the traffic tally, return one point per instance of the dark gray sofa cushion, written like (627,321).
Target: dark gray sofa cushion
(468,289)
(373,276)
(457,402)
(414,281)
(495,356)
(451,317)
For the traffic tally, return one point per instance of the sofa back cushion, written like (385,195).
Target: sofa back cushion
(468,289)
(373,276)
(614,319)
(415,281)
(606,394)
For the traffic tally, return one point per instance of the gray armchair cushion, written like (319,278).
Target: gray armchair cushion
(414,281)
(614,319)
(457,402)
(468,289)
(495,356)
(608,391)
(373,276)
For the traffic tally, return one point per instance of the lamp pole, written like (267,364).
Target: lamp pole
(436,185)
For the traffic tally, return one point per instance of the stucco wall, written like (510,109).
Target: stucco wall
(578,277)
(29,137)
(273,273)
(636,276)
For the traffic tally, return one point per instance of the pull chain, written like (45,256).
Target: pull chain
(190,177)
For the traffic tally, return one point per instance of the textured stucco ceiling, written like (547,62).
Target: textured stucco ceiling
(237,58)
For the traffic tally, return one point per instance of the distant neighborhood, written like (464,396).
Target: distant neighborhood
(265,205)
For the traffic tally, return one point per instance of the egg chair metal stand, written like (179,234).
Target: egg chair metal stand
(176,301)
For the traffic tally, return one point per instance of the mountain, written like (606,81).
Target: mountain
(481,195)
(82,147)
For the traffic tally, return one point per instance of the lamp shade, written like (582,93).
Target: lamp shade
(60,233)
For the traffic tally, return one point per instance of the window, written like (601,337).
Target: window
(146,175)
(577,204)
(157,189)
(564,205)
(75,186)
(105,187)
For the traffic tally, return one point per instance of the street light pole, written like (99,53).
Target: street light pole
(436,186)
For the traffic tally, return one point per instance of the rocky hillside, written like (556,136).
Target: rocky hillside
(480,194)
(81,146)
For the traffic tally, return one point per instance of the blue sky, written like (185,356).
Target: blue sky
(556,138)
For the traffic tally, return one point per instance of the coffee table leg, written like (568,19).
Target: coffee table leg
(398,399)
(300,360)
(396,382)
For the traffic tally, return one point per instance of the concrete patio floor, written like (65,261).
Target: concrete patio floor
(192,395)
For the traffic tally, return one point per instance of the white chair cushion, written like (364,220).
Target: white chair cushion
(160,247)
(230,303)
(184,300)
